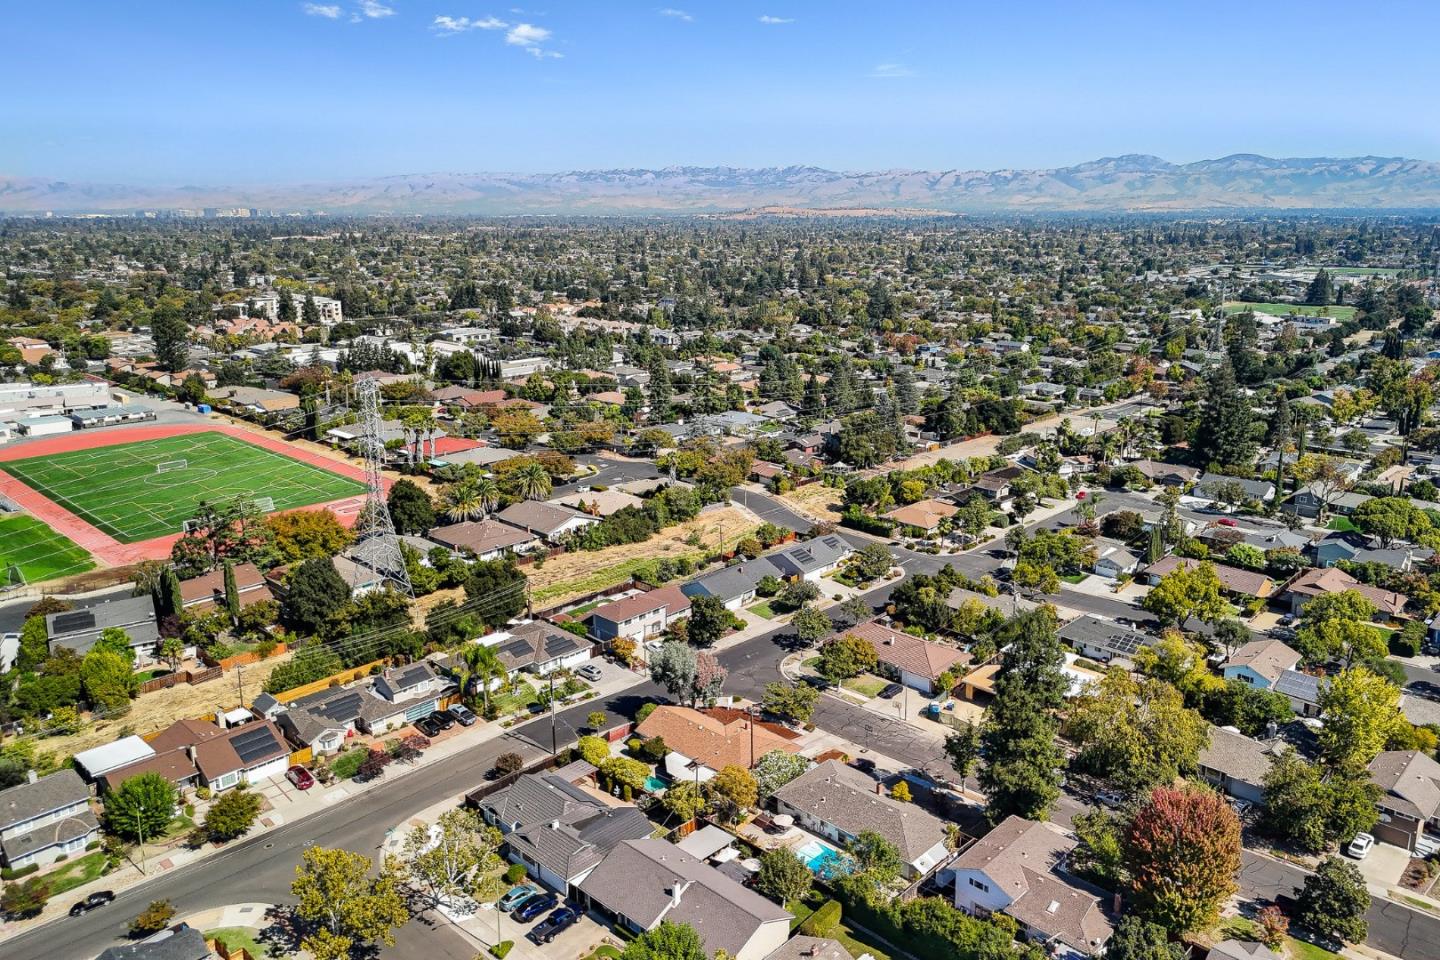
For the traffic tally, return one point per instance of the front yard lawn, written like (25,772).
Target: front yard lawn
(867,684)
(239,938)
(76,873)
(348,763)
(1342,524)
(763,609)
(517,698)
(1073,578)
(1243,928)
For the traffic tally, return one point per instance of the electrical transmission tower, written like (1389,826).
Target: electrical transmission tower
(377,548)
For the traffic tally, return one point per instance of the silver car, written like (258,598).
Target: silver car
(590,672)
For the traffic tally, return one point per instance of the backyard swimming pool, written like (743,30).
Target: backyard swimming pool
(822,859)
(654,784)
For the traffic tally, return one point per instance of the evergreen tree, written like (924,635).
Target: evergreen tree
(1224,435)
(232,593)
(286,313)
(660,391)
(1021,774)
(309,313)
(1321,291)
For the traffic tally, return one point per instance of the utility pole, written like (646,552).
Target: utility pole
(554,749)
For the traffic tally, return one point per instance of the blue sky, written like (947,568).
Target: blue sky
(215,91)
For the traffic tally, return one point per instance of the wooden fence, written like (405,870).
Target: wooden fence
(242,659)
(349,675)
(192,677)
(225,953)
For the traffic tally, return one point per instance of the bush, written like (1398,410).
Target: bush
(514,873)
(25,871)
(644,711)
(153,919)
(823,922)
(508,763)
(202,793)
(348,764)
(500,949)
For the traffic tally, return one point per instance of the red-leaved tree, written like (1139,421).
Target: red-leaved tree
(1182,849)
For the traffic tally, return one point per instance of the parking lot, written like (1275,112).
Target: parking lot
(577,941)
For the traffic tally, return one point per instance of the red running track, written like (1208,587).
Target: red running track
(105,548)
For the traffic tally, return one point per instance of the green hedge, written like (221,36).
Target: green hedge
(514,873)
(932,927)
(823,922)
(25,871)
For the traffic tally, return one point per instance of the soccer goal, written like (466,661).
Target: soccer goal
(165,466)
(14,578)
(264,504)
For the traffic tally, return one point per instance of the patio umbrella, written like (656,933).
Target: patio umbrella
(783,820)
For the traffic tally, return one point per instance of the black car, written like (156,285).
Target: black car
(429,726)
(555,924)
(444,719)
(99,898)
(864,765)
(533,907)
(891,691)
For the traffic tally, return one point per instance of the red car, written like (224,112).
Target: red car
(1080,495)
(1226,522)
(300,777)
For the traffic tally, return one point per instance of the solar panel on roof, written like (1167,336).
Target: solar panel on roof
(252,744)
(516,648)
(1124,643)
(76,620)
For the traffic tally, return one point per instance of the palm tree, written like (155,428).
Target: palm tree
(463,500)
(532,482)
(488,492)
(482,664)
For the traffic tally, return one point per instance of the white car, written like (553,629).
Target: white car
(590,672)
(1360,846)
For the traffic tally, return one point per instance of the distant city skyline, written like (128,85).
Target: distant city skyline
(278,91)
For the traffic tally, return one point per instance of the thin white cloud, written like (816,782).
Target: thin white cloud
(771,21)
(449,25)
(526,35)
(375,10)
(330,11)
(676,14)
(540,53)
(890,71)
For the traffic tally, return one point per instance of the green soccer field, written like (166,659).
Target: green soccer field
(119,490)
(39,552)
(1340,312)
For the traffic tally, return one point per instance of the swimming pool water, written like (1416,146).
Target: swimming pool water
(822,859)
(654,784)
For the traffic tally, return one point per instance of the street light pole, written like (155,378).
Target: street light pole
(554,749)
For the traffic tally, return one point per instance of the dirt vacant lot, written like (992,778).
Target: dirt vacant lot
(816,500)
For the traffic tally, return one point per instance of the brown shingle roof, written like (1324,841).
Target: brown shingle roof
(1233,579)
(712,740)
(669,597)
(911,654)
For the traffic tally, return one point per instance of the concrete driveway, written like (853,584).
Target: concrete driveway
(1383,867)
(578,941)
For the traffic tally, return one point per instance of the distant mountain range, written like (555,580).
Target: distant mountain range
(1132,183)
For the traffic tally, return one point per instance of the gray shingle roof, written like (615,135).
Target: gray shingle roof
(187,943)
(652,880)
(538,798)
(571,845)
(56,791)
(847,799)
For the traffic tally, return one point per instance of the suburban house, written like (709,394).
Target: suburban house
(639,617)
(206,592)
(44,819)
(641,883)
(1235,764)
(924,516)
(1241,950)
(484,539)
(839,803)
(1115,560)
(215,757)
(539,647)
(1233,580)
(1410,781)
(1104,640)
(1260,663)
(1302,690)
(1019,869)
(703,741)
(811,948)
(1165,474)
(557,831)
(734,586)
(324,721)
(1215,487)
(1317,583)
(914,661)
(79,629)
(599,503)
(403,695)
(94,763)
(548,520)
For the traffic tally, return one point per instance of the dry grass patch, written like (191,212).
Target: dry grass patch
(152,712)
(816,500)
(577,573)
